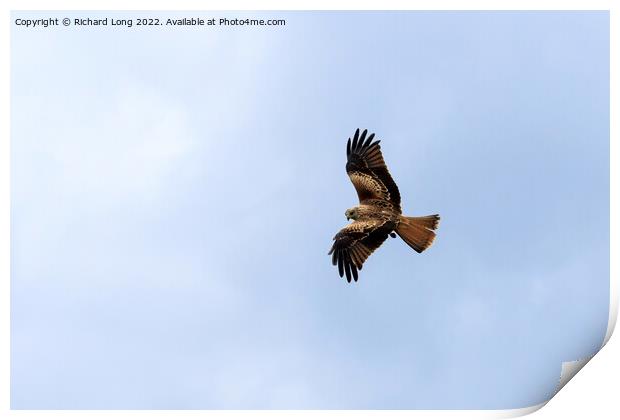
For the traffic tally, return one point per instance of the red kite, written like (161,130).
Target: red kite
(378,214)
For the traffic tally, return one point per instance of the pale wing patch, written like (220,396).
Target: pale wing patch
(368,187)
(359,226)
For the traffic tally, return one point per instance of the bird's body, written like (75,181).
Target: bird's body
(379,212)
(376,209)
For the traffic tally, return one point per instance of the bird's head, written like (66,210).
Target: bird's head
(352,213)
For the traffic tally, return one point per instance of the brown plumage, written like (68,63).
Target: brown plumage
(379,213)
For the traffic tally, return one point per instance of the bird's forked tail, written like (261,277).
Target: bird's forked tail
(417,232)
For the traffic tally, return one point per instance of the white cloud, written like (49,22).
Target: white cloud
(128,150)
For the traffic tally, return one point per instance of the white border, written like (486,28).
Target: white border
(7,6)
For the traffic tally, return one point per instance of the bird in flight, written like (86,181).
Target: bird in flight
(378,214)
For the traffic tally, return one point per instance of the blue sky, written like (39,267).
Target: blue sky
(175,192)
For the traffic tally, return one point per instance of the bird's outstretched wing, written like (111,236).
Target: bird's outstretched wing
(368,172)
(355,242)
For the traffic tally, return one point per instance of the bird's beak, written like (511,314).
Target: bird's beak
(347,217)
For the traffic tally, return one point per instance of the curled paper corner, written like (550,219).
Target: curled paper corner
(520,412)
(613,313)
(569,370)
